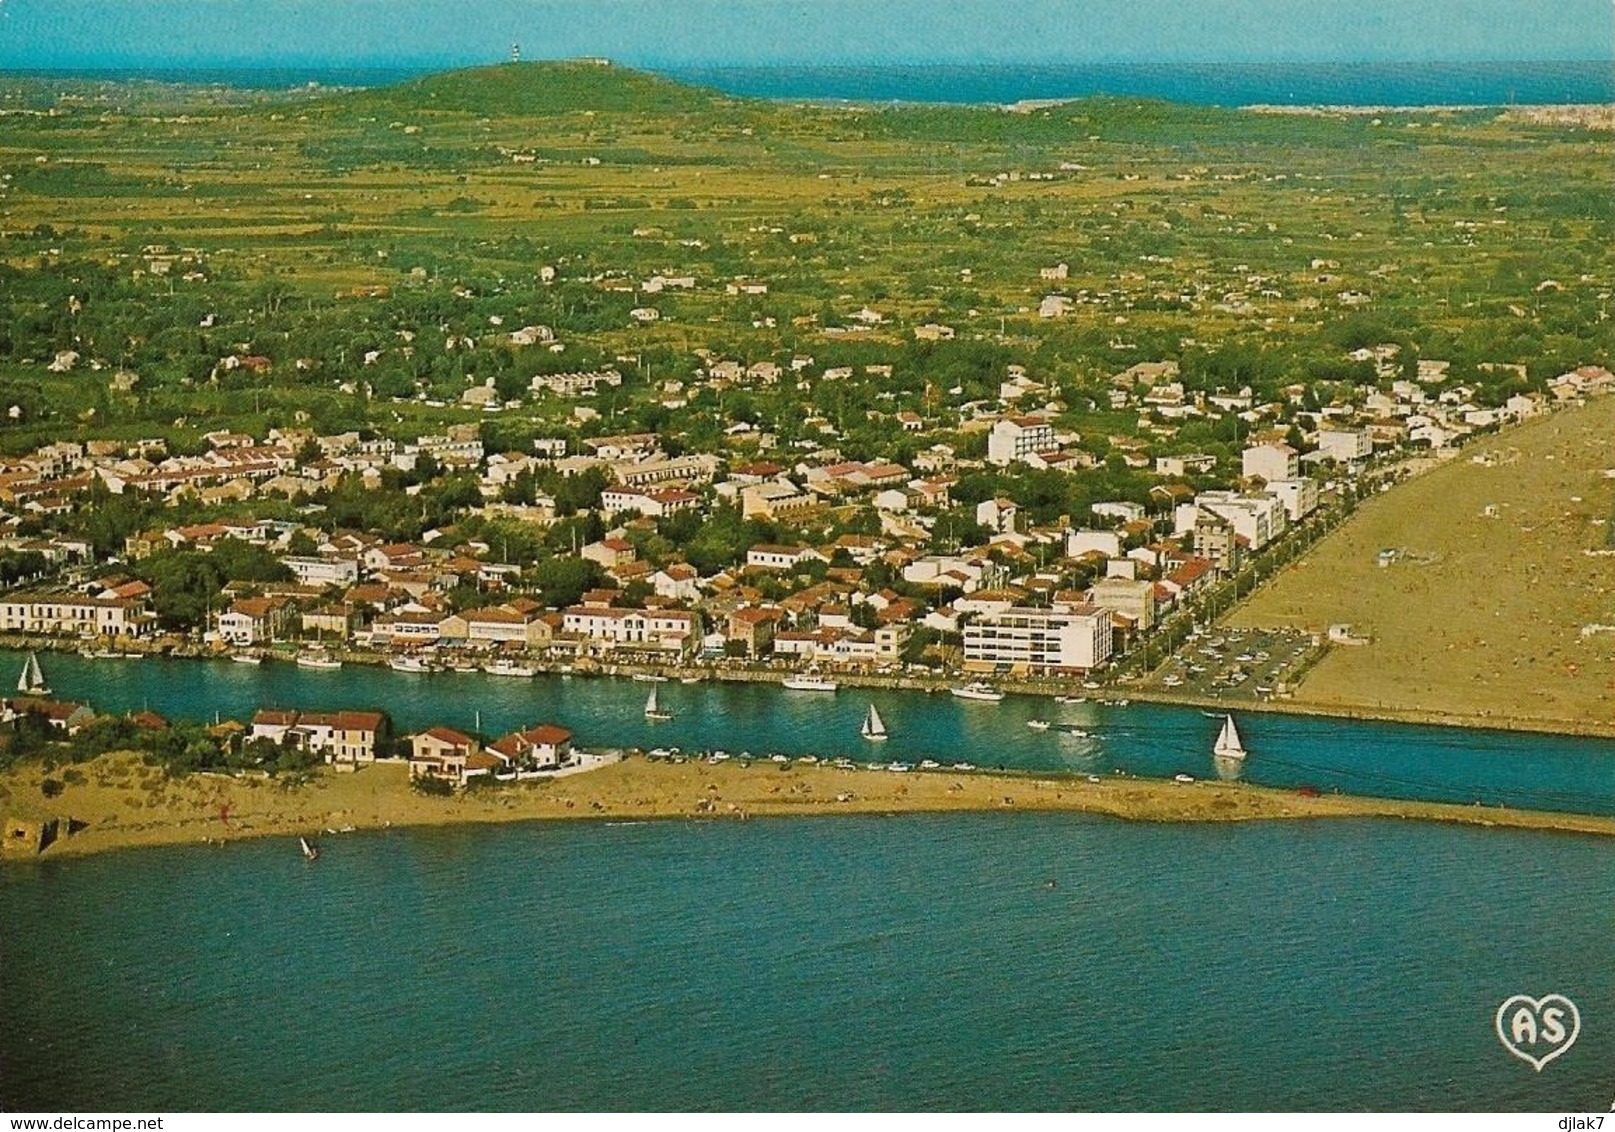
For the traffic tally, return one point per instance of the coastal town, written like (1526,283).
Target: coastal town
(899,595)
(699,557)
(751,552)
(676,436)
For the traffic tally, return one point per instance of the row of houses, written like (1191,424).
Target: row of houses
(349,740)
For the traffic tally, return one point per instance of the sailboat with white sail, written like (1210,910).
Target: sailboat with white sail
(32,680)
(653,708)
(1228,745)
(874,728)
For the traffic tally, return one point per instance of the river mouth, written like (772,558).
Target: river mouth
(1302,753)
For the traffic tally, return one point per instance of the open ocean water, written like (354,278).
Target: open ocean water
(854,963)
(1222,84)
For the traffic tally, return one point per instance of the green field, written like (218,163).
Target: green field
(1219,238)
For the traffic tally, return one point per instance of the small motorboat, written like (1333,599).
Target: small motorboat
(808,682)
(510,668)
(1038,724)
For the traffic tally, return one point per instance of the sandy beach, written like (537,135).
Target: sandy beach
(117,802)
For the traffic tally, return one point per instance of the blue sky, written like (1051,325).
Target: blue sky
(87,33)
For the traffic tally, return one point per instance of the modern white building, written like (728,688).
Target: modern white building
(1075,639)
(1270,462)
(323,571)
(1129,597)
(669,630)
(1299,496)
(1078,543)
(1013,439)
(1347,445)
(1258,517)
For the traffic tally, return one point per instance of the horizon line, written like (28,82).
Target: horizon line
(251,63)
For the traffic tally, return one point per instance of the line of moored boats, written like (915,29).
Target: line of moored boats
(1228,749)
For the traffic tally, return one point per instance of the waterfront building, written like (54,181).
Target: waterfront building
(254,620)
(72,614)
(544,747)
(347,739)
(1074,639)
(662,630)
(447,754)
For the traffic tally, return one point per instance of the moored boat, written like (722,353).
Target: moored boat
(874,728)
(32,680)
(319,661)
(408,664)
(978,690)
(510,668)
(246,658)
(807,682)
(1229,745)
(653,710)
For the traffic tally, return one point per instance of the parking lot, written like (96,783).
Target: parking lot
(1236,664)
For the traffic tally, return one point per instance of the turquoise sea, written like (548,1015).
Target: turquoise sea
(917,962)
(1423,83)
(846,963)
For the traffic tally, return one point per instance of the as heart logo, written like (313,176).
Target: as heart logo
(1538,1029)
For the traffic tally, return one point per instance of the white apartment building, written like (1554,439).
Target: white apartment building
(575,384)
(1075,639)
(1270,462)
(1013,439)
(1259,517)
(1346,445)
(74,614)
(1299,496)
(1127,596)
(670,630)
(1078,543)
(323,571)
